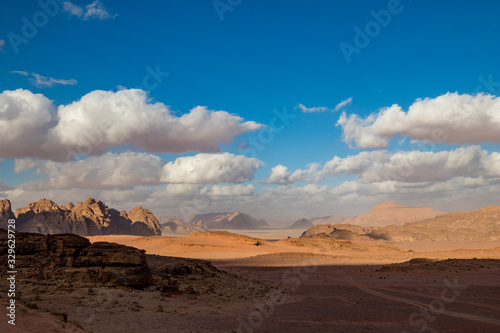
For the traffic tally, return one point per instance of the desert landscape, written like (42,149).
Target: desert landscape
(332,278)
(258,166)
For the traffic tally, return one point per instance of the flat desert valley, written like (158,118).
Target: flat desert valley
(286,285)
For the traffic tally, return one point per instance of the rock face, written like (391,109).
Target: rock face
(88,218)
(301,224)
(481,224)
(391,213)
(5,213)
(177,227)
(235,220)
(338,231)
(143,222)
(71,259)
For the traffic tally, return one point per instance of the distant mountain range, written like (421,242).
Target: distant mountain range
(174,226)
(391,213)
(481,224)
(235,220)
(88,218)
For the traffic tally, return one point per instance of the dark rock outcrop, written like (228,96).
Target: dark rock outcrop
(88,218)
(5,213)
(301,224)
(68,259)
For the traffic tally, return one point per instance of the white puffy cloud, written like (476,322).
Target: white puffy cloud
(402,167)
(228,190)
(450,118)
(210,169)
(417,166)
(93,11)
(25,119)
(282,176)
(44,82)
(102,172)
(31,126)
(129,169)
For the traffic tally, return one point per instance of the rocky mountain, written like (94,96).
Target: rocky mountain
(235,220)
(5,213)
(333,219)
(176,227)
(88,218)
(301,224)
(481,224)
(391,213)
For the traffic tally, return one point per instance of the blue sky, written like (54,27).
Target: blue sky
(253,59)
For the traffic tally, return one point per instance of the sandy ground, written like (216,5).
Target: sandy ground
(314,286)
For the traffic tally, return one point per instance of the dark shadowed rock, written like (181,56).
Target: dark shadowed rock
(72,260)
(301,224)
(143,222)
(5,213)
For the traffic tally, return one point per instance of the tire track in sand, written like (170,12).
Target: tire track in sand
(422,305)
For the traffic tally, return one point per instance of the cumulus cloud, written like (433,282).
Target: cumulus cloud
(102,172)
(417,166)
(25,119)
(44,82)
(450,118)
(228,190)
(132,169)
(402,167)
(93,11)
(32,126)
(280,175)
(210,169)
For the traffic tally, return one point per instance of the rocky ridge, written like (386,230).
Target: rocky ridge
(88,218)
(392,213)
(481,224)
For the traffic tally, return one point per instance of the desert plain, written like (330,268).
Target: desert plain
(286,285)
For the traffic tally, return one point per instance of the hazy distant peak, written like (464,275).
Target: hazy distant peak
(387,204)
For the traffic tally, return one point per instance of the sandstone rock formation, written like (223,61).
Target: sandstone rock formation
(5,213)
(72,260)
(391,213)
(481,224)
(176,227)
(88,218)
(338,231)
